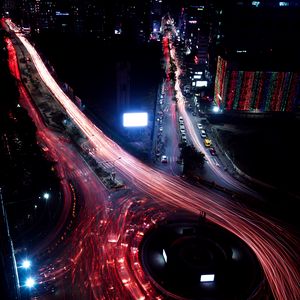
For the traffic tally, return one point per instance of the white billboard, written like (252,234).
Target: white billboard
(135,119)
(200,83)
(207,278)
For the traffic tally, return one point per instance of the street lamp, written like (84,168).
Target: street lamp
(26,264)
(216,109)
(30,282)
(46,196)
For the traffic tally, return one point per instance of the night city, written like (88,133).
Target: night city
(148,150)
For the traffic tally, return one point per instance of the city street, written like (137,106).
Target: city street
(100,257)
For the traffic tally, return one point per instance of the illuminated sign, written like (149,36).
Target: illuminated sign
(59,13)
(200,83)
(284,4)
(135,119)
(255,3)
(207,278)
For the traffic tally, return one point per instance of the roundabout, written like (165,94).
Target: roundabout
(192,258)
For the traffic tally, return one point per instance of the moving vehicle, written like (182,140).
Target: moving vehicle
(212,151)
(200,126)
(203,133)
(164,159)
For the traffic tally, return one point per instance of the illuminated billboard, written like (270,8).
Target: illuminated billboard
(135,119)
(207,278)
(200,83)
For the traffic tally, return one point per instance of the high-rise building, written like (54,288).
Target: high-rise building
(155,18)
(256,89)
(9,5)
(129,19)
(193,28)
(254,53)
(123,86)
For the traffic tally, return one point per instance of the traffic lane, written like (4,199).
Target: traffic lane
(258,232)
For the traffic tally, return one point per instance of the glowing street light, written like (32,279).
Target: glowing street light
(26,264)
(216,109)
(46,196)
(30,282)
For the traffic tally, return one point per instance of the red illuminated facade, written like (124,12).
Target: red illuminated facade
(252,90)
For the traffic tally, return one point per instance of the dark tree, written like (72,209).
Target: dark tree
(192,159)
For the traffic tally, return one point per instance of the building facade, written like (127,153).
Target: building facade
(128,19)
(254,55)
(256,90)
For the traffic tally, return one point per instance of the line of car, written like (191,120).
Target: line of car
(207,141)
(203,134)
(182,129)
(164,158)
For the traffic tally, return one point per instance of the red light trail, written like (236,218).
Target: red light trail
(101,254)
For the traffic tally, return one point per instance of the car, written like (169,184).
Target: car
(203,133)
(200,126)
(164,159)
(160,128)
(212,151)
(207,143)
(180,119)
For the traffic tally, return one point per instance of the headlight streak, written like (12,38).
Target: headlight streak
(194,136)
(274,249)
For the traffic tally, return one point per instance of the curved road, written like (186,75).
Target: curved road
(103,259)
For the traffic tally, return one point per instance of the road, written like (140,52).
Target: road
(100,255)
(213,170)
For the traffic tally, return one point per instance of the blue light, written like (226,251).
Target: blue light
(26,264)
(284,4)
(46,196)
(216,109)
(30,282)
(256,3)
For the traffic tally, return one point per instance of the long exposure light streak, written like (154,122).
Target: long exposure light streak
(195,136)
(274,246)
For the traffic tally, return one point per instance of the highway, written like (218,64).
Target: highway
(100,256)
(213,170)
(219,175)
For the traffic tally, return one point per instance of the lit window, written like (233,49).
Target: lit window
(284,4)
